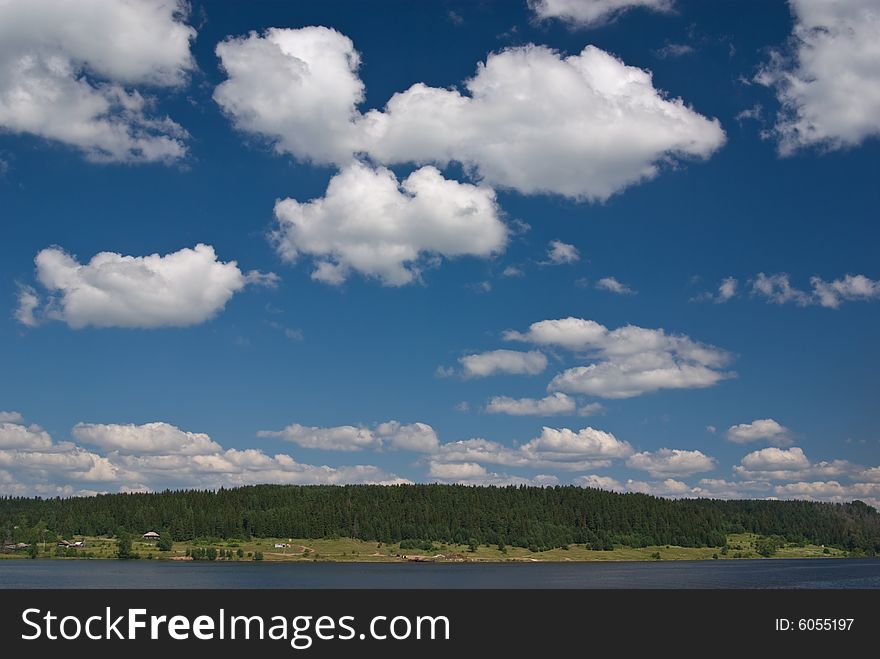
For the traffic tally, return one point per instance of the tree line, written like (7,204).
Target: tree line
(533,517)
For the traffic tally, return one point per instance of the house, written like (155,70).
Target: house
(79,543)
(151,535)
(280,545)
(63,543)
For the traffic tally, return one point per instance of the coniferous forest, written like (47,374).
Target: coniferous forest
(532,517)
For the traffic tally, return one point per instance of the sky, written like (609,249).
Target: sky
(628,244)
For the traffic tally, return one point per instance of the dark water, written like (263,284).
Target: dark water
(776,573)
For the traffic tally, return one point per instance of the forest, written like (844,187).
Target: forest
(538,518)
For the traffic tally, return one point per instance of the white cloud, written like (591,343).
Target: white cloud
(870,475)
(562,449)
(829,85)
(419,437)
(556,403)
(147,439)
(471,473)
(183,288)
(28,306)
(560,253)
(830,491)
(592,12)
(371,223)
(584,126)
(668,487)
(566,444)
(611,285)
(671,462)
(773,464)
(673,50)
(768,429)
(503,361)
(298,88)
(599,483)
(633,360)
(726,291)
(851,288)
(15,435)
(512,271)
(777,288)
(153,457)
(11,417)
(456,471)
(67,72)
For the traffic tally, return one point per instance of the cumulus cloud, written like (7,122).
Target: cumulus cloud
(11,417)
(554,404)
(419,437)
(15,435)
(632,360)
(774,463)
(611,285)
(584,126)
(513,362)
(146,439)
(297,88)
(183,288)
(371,223)
(471,473)
(671,462)
(766,429)
(151,456)
(777,288)
(554,448)
(828,82)
(592,12)
(564,443)
(68,73)
(560,253)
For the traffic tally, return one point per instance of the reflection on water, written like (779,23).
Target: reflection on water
(775,573)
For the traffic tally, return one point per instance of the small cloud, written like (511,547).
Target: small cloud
(291,333)
(726,291)
(462,407)
(711,429)
(444,372)
(754,113)
(560,253)
(591,409)
(611,285)
(673,50)
(512,271)
(480,286)
(454,17)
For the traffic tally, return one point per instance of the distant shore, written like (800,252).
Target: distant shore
(348,550)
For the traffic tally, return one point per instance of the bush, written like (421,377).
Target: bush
(258,556)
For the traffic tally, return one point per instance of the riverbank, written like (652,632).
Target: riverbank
(348,550)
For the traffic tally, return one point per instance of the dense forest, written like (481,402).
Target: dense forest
(533,517)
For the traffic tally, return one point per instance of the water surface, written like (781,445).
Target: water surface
(772,573)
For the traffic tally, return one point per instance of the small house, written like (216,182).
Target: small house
(63,543)
(280,545)
(151,535)
(79,543)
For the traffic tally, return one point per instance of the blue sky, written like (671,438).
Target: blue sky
(663,148)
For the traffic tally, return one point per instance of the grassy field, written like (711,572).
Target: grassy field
(346,549)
